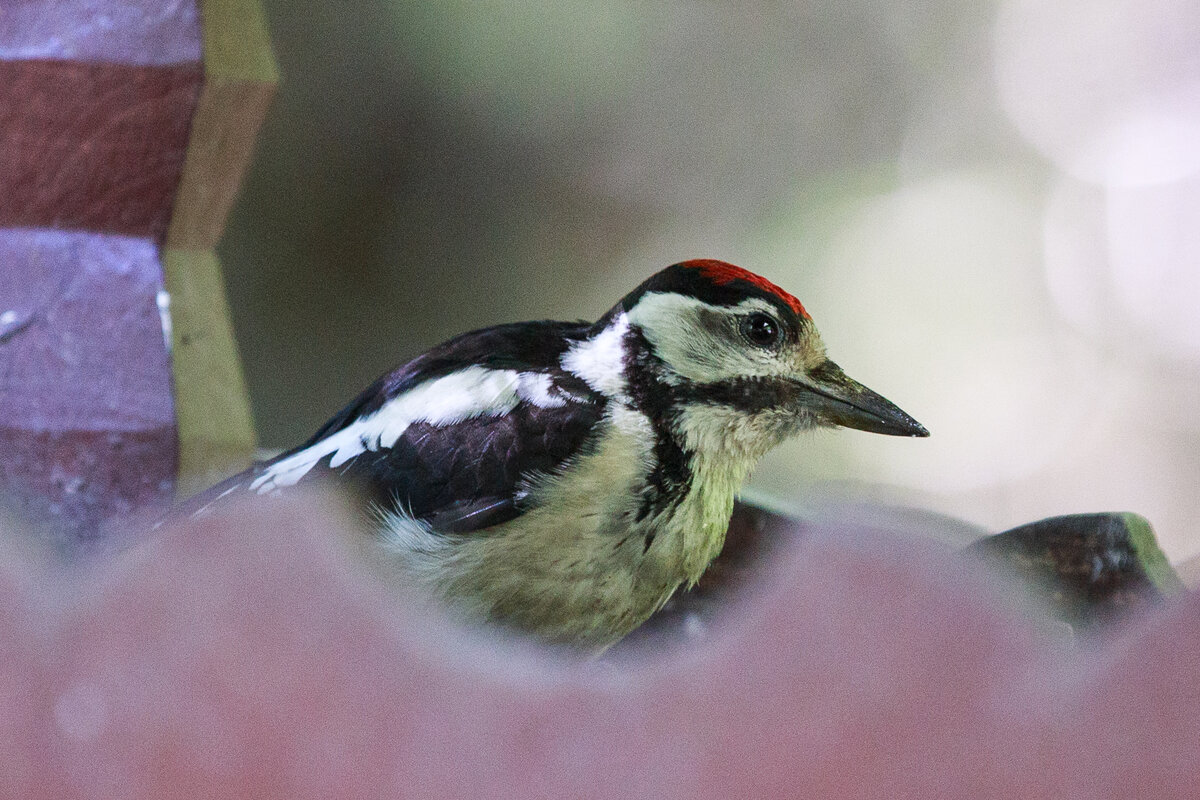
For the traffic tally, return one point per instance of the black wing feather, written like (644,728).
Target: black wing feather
(468,475)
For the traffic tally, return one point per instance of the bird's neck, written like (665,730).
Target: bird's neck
(722,457)
(701,453)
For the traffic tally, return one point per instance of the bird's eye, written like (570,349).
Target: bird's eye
(761,330)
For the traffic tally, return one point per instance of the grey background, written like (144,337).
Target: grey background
(913,172)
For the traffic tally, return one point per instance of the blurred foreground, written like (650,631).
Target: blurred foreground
(247,655)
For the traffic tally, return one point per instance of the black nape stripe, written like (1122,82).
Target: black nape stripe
(649,393)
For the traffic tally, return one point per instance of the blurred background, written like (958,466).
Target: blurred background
(992,211)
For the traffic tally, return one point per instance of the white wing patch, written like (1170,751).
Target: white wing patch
(470,392)
(538,390)
(600,361)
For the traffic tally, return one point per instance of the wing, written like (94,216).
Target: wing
(471,473)
(519,346)
(454,437)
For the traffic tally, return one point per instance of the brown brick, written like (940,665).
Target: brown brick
(96,100)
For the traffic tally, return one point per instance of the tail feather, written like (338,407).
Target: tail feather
(210,499)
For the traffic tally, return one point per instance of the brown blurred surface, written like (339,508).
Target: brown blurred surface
(1091,571)
(212,662)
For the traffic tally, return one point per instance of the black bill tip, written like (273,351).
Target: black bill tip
(874,414)
(848,403)
(910,427)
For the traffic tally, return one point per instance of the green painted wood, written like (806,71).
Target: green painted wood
(237,45)
(240,76)
(216,429)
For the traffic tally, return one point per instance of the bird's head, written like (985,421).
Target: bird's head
(737,361)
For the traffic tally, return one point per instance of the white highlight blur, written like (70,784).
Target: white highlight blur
(950,269)
(1123,264)
(1154,252)
(163,300)
(1109,90)
(81,712)
(950,296)
(1023,331)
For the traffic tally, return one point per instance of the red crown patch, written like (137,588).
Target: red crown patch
(721,273)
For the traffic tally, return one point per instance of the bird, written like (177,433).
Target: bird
(564,479)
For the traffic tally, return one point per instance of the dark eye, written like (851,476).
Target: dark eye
(761,330)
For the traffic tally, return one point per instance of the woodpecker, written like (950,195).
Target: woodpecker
(565,478)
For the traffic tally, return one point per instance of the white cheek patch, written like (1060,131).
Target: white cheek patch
(470,392)
(682,332)
(600,361)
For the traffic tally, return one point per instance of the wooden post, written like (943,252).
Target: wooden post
(216,432)
(112,114)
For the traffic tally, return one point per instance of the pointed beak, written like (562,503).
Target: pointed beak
(838,399)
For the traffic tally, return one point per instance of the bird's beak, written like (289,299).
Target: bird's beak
(838,399)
